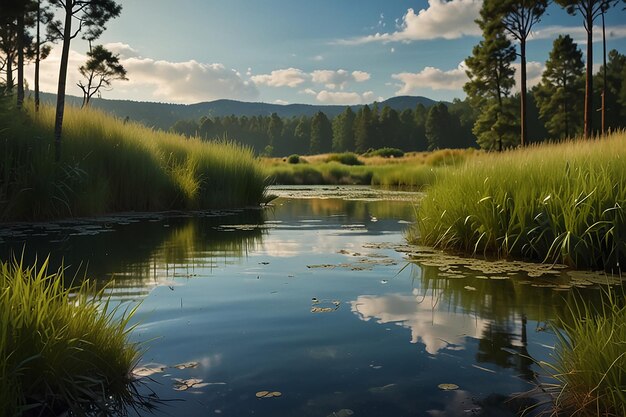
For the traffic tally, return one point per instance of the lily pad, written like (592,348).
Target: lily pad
(448,387)
(188,365)
(185,384)
(268,394)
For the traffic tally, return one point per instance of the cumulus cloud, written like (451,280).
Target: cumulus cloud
(157,80)
(534,70)
(290,77)
(189,81)
(340,97)
(339,78)
(578,33)
(122,49)
(443,19)
(432,78)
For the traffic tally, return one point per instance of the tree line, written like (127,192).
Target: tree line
(419,129)
(491,73)
(28,28)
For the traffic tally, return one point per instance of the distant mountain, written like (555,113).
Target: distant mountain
(164,115)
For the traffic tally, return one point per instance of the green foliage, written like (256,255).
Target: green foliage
(553,203)
(589,361)
(346,158)
(385,153)
(438,126)
(491,79)
(101,68)
(293,159)
(615,89)
(110,166)
(61,349)
(560,94)
(343,131)
(321,134)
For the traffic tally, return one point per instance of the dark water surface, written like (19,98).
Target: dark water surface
(309,298)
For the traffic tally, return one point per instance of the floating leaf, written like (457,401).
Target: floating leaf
(268,394)
(448,387)
(262,394)
(148,371)
(185,384)
(188,365)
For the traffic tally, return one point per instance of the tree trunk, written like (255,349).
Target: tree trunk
(589,75)
(603,76)
(523,138)
(20,59)
(9,73)
(37,56)
(58,123)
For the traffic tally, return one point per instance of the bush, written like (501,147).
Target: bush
(346,158)
(293,159)
(386,153)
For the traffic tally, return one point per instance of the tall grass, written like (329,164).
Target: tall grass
(555,203)
(108,165)
(60,349)
(589,361)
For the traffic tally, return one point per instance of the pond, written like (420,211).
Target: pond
(313,307)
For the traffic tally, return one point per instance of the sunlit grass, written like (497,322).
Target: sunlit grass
(554,203)
(413,170)
(108,165)
(61,349)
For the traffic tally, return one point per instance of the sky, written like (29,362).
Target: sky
(313,52)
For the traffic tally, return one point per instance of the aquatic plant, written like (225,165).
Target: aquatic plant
(109,165)
(61,349)
(554,203)
(589,361)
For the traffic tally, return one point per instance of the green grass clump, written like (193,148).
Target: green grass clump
(404,176)
(554,203)
(293,159)
(108,165)
(346,158)
(60,349)
(589,361)
(385,153)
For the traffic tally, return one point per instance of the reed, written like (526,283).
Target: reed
(588,366)
(108,165)
(61,349)
(553,203)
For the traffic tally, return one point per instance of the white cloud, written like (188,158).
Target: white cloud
(156,80)
(447,19)
(318,58)
(290,77)
(189,81)
(534,70)
(281,102)
(340,97)
(339,78)
(360,76)
(578,33)
(432,78)
(122,49)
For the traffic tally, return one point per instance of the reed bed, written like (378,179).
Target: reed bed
(108,165)
(61,349)
(553,203)
(588,366)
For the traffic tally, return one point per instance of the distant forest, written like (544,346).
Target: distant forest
(438,126)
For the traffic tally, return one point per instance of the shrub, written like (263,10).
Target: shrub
(293,159)
(346,158)
(385,153)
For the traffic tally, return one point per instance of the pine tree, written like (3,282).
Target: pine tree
(343,131)
(363,130)
(558,95)
(321,134)
(615,85)
(518,18)
(589,10)
(491,80)
(92,15)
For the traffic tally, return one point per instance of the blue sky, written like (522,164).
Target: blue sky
(294,51)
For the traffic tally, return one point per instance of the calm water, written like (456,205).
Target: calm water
(309,298)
